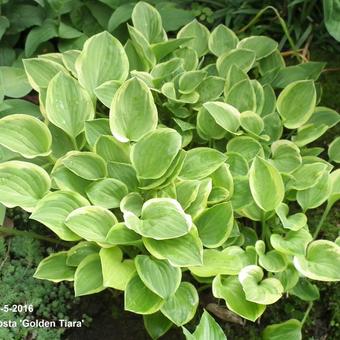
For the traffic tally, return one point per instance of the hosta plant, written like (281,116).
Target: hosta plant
(169,164)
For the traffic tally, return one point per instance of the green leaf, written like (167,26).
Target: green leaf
(225,115)
(305,290)
(290,329)
(313,197)
(54,268)
(96,128)
(147,20)
(246,102)
(140,299)
(124,173)
(22,184)
(214,225)
(106,193)
(334,150)
(158,275)
(13,82)
(252,123)
(229,261)
(103,58)
(293,243)
(81,250)
(331,17)
(156,324)
(257,290)
(112,150)
(106,91)
(183,251)
(88,278)
(208,328)
(199,34)
(261,45)
(181,307)
(222,40)
(293,222)
(53,209)
(120,15)
(132,202)
(133,112)
(15,106)
(25,135)
(116,271)
(40,71)
(161,219)
(266,184)
(120,234)
(91,222)
(201,162)
(285,156)
(321,262)
(68,105)
(69,59)
(230,289)
(162,146)
(334,195)
(242,58)
(296,103)
(87,165)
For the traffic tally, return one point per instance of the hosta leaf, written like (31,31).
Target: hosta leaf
(68,105)
(96,128)
(147,20)
(40,71)
(296,103)
(22,184)
(246,102)
(91,223)
(229,261)
(294,242)
(251,123)
(208,328)
(305,290)
(54,268)
(201,162)
(186,192)
(132,202)
(162,146)
(88,278)
(257,290)
(313,197)
(124,173)
(225,115)
(53,209)
(120,234)
(207,127)
(112,150)
(230,289)
(240,57)
(289,277)
(221,40)
(103,58)
(245,146)
(334,195)
(183,251)
(25,135)
(307,176)
(161,219)
(116,272)
(261,45)
(13,82)
(199,34)
(158,275)
(334,150)
(156,324)
(272,261)
(321,262)
(266,184)
(87,165)
(292,222)
(133,112)
(290,329)
(285,156)
(81,250)
(215,224)
(308,133)
(106,91)
(107,192)
(237,163)
(181,307)
(140,299)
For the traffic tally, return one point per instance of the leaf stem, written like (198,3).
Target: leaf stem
(310,306)
(31,234)
(322,220)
